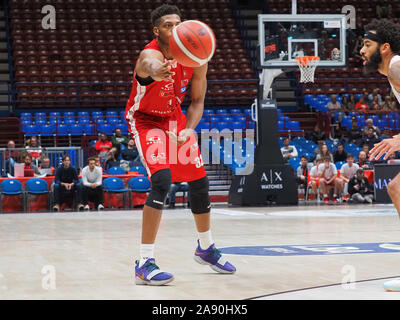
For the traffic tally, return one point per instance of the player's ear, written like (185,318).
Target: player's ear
(385,48)
(156,31)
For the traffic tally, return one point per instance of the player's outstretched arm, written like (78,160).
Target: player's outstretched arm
(151,64)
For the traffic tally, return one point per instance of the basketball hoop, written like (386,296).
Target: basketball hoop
(307,65)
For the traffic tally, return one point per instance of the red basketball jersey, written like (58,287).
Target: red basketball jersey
(159,98)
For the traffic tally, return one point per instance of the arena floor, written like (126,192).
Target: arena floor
(302,252)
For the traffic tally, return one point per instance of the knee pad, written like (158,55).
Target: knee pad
(160,185)
(199,196)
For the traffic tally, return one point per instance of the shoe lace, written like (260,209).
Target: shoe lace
(151,266)
(216,252)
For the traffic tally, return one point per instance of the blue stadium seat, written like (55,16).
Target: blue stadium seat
(221,111)
(26,115)
(47,130)
(208,111)
(63,129)
(30,130)
(139,184)
(116,170)
(83,120)
(139,169)
(83,114)
(69,120)
(235,111)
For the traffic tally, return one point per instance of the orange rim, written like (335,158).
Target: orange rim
(304,61)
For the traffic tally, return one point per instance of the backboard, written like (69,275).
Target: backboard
(283,37)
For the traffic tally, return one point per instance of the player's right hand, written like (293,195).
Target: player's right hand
(387,146)
(163,71)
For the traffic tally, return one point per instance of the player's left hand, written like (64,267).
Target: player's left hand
(387,146)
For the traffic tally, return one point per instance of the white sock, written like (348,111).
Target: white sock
(205,239)
(146,252)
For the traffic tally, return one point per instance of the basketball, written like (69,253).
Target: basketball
(192,43)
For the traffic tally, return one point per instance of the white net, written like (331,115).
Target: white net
(307,65)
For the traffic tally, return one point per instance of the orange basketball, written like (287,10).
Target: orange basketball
(192,43)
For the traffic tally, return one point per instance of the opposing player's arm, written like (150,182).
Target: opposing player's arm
(394,75)
(198,93)
(151,64)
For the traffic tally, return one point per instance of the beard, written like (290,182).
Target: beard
(373,63)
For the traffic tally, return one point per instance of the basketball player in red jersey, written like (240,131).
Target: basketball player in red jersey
(167,144)
(381,53)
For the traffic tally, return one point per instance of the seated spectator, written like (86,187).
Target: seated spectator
(375,105)
(383,9)
(66,181)
(176,187)
(340,154)
(314,176)
(328,179)
(92,185)
(370,139)
(34,150)
(288,151)
(365,148)
(324,152)
(347,171)
(352,102)
(30,170)
(11,157)
(363,162)
(361,106)
(346,104)
(388,105)
(360,189)
(98,163)
(302,172)
(45,168)
(369,123)
(354,135)
(131,154)
(112,159)
(333,104)
(317,134)
(103,146)
(375,93)
(118,138)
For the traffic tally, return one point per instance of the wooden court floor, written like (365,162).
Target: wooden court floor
(301,252)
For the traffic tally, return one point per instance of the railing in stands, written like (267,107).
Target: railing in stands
(11,94)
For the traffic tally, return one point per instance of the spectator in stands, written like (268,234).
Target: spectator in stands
(287,150)
(112,159)
(30,170)
(333,104)
(363,162)
(118,138)
(352,102)
(92,189)
(131,155)
(358,45)
(346,105)
(361,106)
(354,135)
(340,154)
(388,104)
(314,176)
(11,157)
(34,150)
(375,93)
(365,148)
(45,168)
(66,181)
(369,123)
(103,146)
(324,152)
(360,189)
(384,9)
(176,187)
(302,172)
(317,134)
(328,179)
(347,171)
(375,104)
(370,139)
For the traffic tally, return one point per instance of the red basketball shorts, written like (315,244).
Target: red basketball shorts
(158,152)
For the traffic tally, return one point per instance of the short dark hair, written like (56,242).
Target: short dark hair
(350,155)
(65,156)
(387,31)
(91,159)
(327,158)
(303,157)
(161,11)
